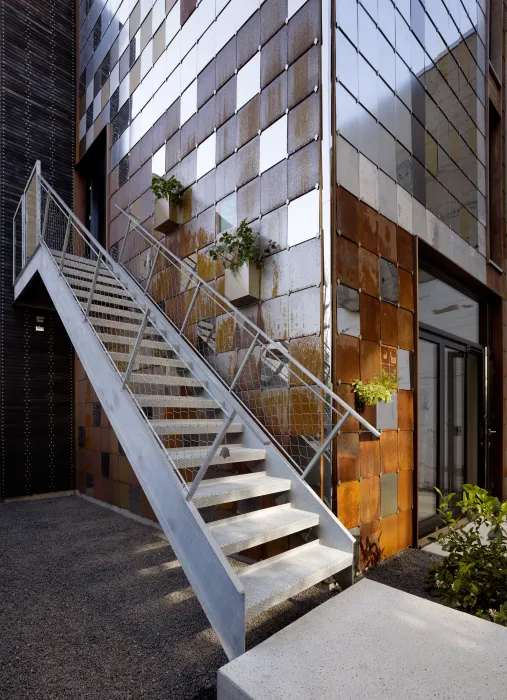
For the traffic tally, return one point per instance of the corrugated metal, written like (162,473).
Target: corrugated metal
(37,58)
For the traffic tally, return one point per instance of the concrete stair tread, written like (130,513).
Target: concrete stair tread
(169,401)
(130,325)
(164,380)
(110,310)
(192,458)
(149,361)
(272,581)
(130,340)
(227,489)
(109,301)
(251,529)
(192,426)
(75,258)
(77,273)
(85,285)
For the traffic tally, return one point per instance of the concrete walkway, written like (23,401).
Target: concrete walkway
(374,641)
(94,606)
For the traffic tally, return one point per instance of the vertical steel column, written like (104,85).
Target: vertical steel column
(209,457)
(187,315)
(65,243)
(152,270)
(94,282)
(14,249)
(120,254)
(23,229)
(136,347)
(38,201)
(243,363)
(46,215)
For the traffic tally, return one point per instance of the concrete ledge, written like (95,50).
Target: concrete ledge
(370,642)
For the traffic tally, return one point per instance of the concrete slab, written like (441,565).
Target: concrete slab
(435,548)
(374,641)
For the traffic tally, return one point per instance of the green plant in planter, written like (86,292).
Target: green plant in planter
(473,577)
(379,389)
(170,189)
(239,246)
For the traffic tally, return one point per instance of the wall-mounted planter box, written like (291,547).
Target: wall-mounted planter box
(243,285)
(166,216)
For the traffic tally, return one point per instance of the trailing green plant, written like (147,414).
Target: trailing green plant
(240,245)
(381,388)
(473,577)
(170,189)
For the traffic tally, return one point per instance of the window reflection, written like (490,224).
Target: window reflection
(446,308)
(226,216)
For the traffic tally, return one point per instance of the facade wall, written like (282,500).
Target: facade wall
(374,267)
(230,98)
(226,97)
(415,158)
(37,121)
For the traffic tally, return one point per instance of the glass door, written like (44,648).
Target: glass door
(451,443)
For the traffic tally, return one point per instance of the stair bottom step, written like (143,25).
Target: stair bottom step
(274,580)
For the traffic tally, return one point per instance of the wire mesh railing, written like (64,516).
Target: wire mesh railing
(299,412)
(183,416)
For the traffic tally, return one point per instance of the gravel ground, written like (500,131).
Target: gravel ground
(94,606)
(407,571)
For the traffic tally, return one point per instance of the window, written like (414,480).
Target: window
(226,215)
(447,309)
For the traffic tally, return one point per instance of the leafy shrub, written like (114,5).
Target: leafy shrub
(170,189)
(381,388)
(239,246)
(473,577)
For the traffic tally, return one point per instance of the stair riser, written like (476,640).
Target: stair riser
(290,591)
(273,534)
(195,430)
(232,496)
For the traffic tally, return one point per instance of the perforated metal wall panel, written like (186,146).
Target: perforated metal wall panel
(37,63)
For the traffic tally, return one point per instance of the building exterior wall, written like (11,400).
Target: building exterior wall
(230,97)
(226,97)
(37,121)
(414,95)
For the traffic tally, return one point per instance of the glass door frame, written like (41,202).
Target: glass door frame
(445,340)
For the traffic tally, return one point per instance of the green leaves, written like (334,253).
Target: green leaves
(379,389)
(170,189)
(236,247)
(473,577)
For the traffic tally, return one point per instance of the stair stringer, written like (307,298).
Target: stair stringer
(215,584)
(331,531)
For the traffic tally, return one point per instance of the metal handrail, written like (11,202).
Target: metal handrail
(329,426)
(104,258)
(229,308)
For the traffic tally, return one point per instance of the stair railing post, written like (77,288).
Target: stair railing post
(23,230)
(324,446)
(209,456)
(94,283)
(148,282)
(243,363)
(13,250)
(189,311)
(38,201)
(65,244)
(46,215)
(122,247)
(135,349)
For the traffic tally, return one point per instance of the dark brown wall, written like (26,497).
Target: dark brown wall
(37,108)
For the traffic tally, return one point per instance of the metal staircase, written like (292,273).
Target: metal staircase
(189,429)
